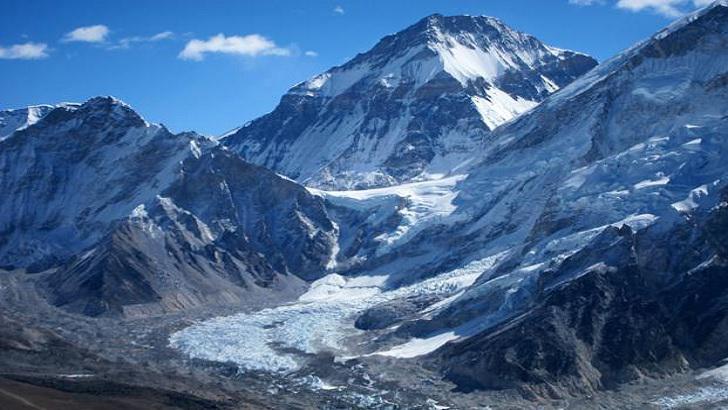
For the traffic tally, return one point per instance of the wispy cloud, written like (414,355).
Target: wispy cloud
(586,2)
(88,34)
(129,41)
(252,45)
(667,8)
(164,35)
(339,10)
(25,51)
(310,53)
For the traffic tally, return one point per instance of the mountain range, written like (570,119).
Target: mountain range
(462,200)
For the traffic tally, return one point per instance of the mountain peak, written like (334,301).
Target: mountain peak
(465,22)
(468,48)
(716,6)
(108,104)
(105,100)
(418,102)
(706,29)
(99,111)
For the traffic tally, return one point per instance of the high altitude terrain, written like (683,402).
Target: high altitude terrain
(490,223)
(418,105)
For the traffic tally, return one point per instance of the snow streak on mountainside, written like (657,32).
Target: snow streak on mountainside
(14,120)
(416,106)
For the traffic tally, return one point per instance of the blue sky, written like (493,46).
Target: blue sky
(167,59)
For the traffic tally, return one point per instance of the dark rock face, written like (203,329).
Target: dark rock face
(408,106)
(278,218)
(640,316)
(388,314)
(142,269)
(222,232)
(114,275)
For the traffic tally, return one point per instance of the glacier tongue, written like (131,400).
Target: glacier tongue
(320,321)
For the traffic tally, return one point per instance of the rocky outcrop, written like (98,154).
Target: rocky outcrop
(613,323)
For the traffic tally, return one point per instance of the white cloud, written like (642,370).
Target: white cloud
(89,34)
(164,35)
(251,45)
(26,51)
(310,53)
(667,8)
(339,10)
(128,41)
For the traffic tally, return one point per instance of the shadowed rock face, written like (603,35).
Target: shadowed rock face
(278,218)
(412,105)
(224,231)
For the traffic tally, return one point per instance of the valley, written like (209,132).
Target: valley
(460,217)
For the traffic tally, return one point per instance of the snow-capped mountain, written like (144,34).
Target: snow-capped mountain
(67,177)
(13,120)
(136,215)
(419,104)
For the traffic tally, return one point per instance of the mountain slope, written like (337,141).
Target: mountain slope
(607,199)
(419,104)
(224,232)
(75,171)
(636,315)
